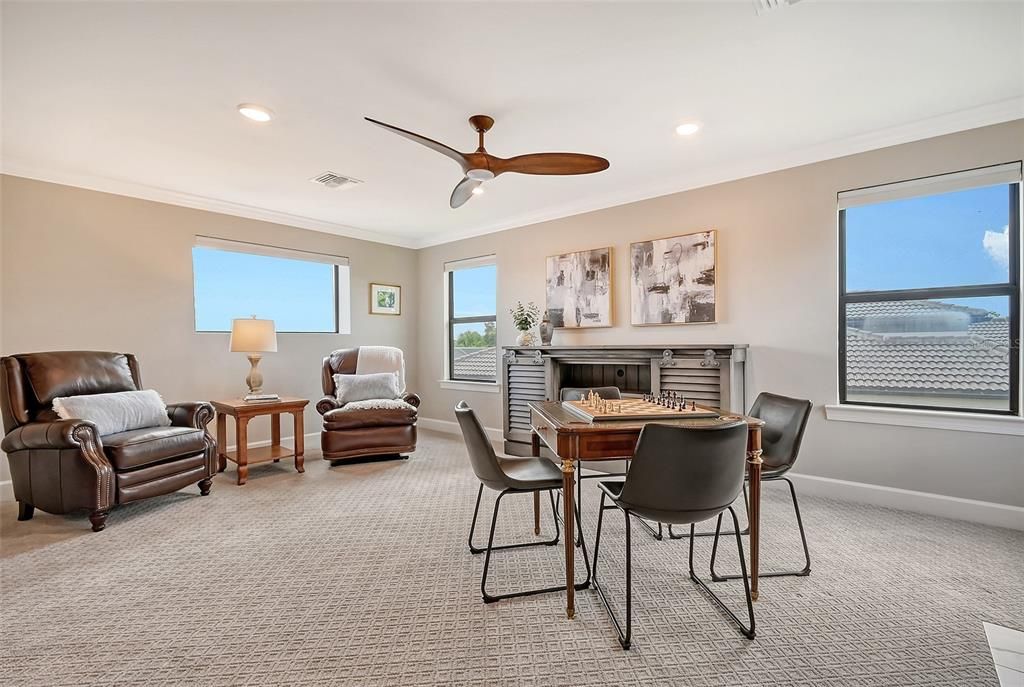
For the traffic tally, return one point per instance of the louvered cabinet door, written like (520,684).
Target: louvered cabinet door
(693,383)
(524,382)
(706,380)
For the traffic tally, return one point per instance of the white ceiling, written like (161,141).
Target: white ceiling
(139,98)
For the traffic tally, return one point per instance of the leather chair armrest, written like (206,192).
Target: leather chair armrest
(58,435)
(327,403)
(412,399)
(195,414)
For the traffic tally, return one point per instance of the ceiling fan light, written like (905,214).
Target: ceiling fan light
(688,128)
(480,174)
(478,190)
(256,113)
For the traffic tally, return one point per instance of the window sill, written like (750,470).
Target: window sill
(486,387)
(927,419)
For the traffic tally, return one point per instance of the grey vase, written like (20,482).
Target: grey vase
(546,330)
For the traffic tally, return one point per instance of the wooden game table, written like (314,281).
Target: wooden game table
(571,438)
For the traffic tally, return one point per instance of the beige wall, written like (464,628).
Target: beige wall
(777,292)
(88,270)
(81,269)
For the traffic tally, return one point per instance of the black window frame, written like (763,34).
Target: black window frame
(1010,289)
(453,321)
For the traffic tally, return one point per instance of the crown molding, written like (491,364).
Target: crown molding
(963,120)
(985,115)
(157,194)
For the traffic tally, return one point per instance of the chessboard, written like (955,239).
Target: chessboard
(650,407)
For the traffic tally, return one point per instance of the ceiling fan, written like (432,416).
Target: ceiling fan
(480,166)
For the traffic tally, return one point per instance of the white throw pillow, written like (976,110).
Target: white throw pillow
(116,412)
(348,388)
(379,404)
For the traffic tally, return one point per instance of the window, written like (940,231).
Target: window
(299,290)
(472,320)
(929,293)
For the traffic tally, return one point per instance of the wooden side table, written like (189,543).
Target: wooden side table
(243,412)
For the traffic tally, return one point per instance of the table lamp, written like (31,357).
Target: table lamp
(253,336)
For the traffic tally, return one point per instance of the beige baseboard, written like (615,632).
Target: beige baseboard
(451,427)
(983,512)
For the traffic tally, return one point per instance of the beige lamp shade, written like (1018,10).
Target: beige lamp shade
(253,336)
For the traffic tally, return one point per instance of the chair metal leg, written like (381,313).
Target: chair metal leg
(800,523)
(472,528)
(657,534)
(746,630)
(582,544)
(804,572)
(597,536)
(624,637)
(746,530)
(491,598)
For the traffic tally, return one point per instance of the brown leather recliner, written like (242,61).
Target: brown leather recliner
(62,466)
(366,432)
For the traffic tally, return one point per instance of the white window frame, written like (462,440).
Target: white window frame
(460,384)
(342,281)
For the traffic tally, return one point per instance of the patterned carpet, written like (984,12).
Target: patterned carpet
(359,575)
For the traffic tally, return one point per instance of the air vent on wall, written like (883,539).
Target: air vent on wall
(763,6)
(332,180)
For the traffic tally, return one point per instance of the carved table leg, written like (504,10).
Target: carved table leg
(300,446)
(25,510)
(569,521)
(754,507)
(242,441)
(222,442)
(98,518)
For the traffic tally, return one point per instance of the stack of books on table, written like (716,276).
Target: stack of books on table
(261,398)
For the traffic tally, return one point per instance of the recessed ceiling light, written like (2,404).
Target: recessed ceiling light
(478,190)
(688,129)
(256,113)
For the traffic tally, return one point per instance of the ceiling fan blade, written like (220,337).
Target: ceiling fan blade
(463,192)
(424,141)
(550,163)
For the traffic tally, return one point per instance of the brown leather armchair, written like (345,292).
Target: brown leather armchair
(62,466)
(366,432)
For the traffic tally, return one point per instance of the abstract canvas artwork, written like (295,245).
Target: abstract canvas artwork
(673,280)
(579,289)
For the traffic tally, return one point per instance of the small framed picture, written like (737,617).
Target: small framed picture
(385,299)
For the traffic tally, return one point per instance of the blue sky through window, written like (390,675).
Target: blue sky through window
(475,291)
(950,239)
(297,294)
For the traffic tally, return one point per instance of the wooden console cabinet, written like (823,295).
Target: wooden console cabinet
(712,375)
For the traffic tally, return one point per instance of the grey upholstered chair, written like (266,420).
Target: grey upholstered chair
(507,475)
(680,475)
(785,420)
